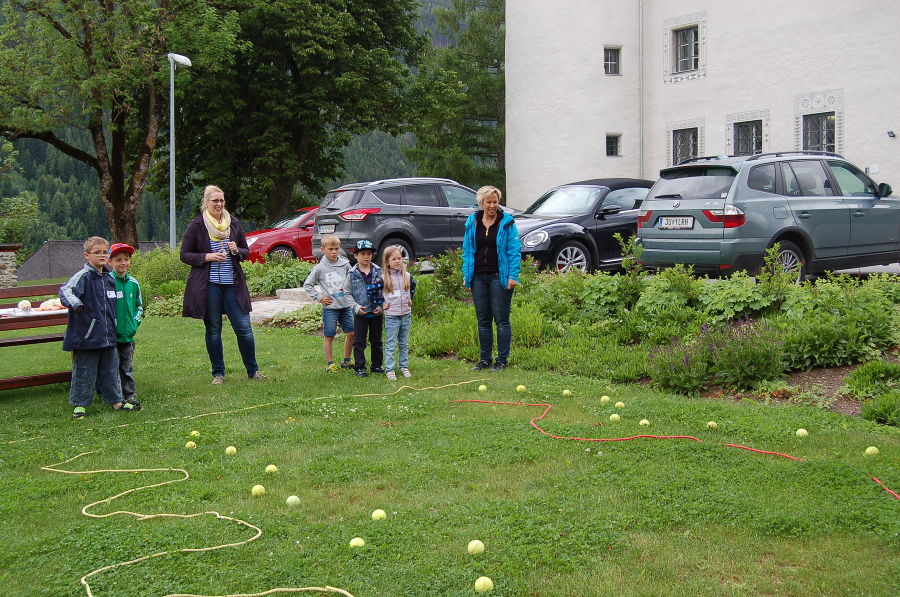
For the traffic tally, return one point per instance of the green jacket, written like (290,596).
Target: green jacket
(129,307)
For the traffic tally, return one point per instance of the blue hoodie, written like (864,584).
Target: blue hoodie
(509,258)
(94,326)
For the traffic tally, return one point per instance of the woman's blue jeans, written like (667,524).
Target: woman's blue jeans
(220,298)
(493,302)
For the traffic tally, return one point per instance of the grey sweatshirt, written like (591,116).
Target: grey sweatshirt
(334,280)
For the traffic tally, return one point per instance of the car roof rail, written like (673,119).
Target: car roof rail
(700,158)
(779,154)
(412,178)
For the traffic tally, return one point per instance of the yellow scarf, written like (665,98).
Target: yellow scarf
(218,230)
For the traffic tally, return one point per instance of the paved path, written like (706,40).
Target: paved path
(288,299)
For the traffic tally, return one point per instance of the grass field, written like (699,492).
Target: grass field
(558,518)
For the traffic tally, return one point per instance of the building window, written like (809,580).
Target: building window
(748,137)
(687,49)
(684,145)
(612,145)
(611,61)
(818,132)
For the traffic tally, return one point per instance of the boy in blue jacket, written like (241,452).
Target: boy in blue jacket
(367,286)
(90,296)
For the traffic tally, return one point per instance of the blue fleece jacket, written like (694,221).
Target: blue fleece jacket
(509,259)
(94,326)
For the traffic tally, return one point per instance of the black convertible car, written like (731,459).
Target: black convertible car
(572,226)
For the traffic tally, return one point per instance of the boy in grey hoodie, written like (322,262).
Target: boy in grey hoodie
(332,276)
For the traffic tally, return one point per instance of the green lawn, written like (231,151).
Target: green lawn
(558,518)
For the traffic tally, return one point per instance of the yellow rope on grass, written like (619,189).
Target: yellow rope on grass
(185,476)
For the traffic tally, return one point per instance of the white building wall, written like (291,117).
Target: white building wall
(770,60)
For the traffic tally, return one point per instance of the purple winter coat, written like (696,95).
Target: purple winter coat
(194,247)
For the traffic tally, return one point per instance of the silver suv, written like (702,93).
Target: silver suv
(720,214)
(425,216)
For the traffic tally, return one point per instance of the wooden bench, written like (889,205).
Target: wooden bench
(22,322)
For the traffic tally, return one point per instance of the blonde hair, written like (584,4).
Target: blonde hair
(93,242)
(208,192)
(485,192)
(388,278)
(329,240)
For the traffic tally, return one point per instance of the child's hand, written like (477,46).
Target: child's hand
(326,300)
(409,304)
(377,311)
(386,306)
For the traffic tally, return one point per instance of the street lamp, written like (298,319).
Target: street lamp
(182,61)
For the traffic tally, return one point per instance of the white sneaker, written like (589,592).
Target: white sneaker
(392,376)
(405,372)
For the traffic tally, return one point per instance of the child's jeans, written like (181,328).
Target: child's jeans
(396,331)
(95,368)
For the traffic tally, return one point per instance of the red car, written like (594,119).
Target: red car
(290,237)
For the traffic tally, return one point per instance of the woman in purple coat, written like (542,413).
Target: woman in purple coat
(213,245)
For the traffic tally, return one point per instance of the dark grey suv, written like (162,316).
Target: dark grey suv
(425,216)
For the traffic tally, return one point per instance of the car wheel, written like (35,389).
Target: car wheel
(790,258)
(405,249)
(571,255)
(283,252)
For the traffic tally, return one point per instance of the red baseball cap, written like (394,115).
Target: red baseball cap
(119,247)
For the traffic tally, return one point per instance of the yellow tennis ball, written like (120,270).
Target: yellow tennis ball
(520,388)
(567,393)
(231,450)
(292,501)
(712,425)
(482,388)
(871,451)
(357,542)
(620,405)
(258,491)
(475,547)
(271,469)
(483,584)
(801,432)
(195,433)
(604,399)
(644,422)
(614,417)
(379,514)
(190,445)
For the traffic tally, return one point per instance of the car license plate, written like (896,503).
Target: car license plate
(679,223)
(326,229)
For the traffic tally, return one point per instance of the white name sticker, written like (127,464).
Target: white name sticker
(110,294)
(119,294)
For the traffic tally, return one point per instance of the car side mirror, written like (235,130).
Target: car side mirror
(884,190)
(611,209)
(309,224)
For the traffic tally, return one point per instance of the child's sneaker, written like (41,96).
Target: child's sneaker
(332,368)
(405,372)
(361,373)
(392,376)
(79,412)
(347,364)
(377,369)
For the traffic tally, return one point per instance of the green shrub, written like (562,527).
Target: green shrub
(163,306)
(682,366)
(528,326)
(884,409)
(284,272)
(746,354)
(171,288)
(455,332)
(601,296)
(824,341)
(447,275)
(734,297)
(308,319)
(873,378)
(887,284)
(154,269)
(559,296)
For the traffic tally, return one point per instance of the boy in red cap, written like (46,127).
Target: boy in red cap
(129,312)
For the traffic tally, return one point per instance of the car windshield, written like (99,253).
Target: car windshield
(289,221)
(566,201)
(697,182)
(340,199)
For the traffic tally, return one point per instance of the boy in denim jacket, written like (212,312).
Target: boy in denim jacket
(366,286)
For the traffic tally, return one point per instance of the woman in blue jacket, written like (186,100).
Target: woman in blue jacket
(491,265)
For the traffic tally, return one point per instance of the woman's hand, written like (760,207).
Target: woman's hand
(511,284)
(216,257)
(232,246)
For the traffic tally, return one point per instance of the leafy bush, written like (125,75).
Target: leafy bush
(746,354)
(308,319)
(155,268)
(682,366)
(884,409)
(447,276)
(162,306)
(559,295)
(823,341)
(734,297)
(275,273)
(887,284)
(873,378)
(528,326)
(171,288)
(455,332)
(601,296)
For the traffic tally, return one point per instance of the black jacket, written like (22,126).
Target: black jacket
(95,325)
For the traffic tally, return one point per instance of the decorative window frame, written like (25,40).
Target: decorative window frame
(697,19)
(735,117)
(696,123)
(815,102)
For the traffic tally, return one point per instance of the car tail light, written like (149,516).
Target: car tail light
(730,217)
(644,217)
(356,215)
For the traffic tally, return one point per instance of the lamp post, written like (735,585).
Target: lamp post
(182,61)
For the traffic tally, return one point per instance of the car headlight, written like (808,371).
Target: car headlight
(251,240)
(533,239)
